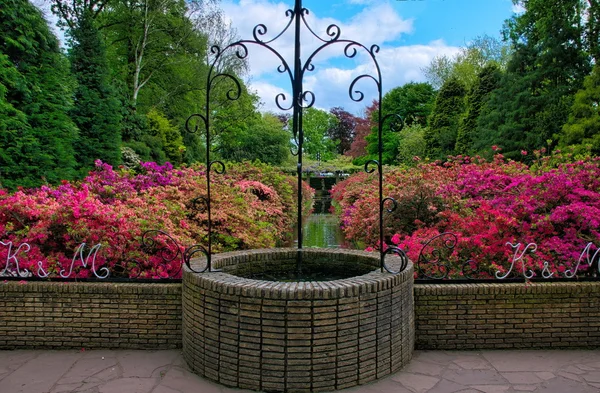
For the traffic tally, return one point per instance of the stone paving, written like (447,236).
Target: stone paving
(104,371)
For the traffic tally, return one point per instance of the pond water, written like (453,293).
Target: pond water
(320,230)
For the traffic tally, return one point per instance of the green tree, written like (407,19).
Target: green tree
(37,145)
(440,136)
(315,124)
(97,109)
(413,146)
(390,140)
(231,120)
(583,126)
(165,138)
(266,141)
(14,128)
(468,62)
(412,101)
(157,53)
(487,81)
(145,38)
(547,67)
(592,29)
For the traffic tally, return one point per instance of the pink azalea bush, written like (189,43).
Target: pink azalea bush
(555,204)
(252,207)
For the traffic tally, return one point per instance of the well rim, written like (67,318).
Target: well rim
(225,282)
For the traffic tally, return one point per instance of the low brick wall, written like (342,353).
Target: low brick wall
(297,336)
(483,316)
(449,316)
(89,315)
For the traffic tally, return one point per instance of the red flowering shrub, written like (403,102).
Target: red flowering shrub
(555,204)
(250,209)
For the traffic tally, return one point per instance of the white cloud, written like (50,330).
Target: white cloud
(267,92)
(399,65)
(518,8)
(375,24)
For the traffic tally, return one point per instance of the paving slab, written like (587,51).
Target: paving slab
(532,360)
(106,371)
(40,373)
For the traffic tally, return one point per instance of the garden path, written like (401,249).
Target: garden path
(107,371)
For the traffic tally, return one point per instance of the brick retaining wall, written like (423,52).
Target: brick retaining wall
(479,316)
(448,316)
(89,315)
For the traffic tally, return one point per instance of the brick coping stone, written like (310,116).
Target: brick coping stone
(297,336)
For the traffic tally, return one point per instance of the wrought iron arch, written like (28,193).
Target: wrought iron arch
(301,99)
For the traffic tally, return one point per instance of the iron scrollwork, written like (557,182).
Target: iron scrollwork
(434,263)
(432,258)
(301,99)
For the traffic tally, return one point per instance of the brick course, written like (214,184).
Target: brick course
(290,336)
(497,316)
(55,315)
(245,327)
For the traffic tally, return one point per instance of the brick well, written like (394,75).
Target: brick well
(297,336)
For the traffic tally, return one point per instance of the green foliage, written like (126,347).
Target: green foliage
(265,141)
(142,150)
(547,67)
(37,144)
(440,137)
(147,39)
(11,121)
(592,30)
(195,149)
(583,126)
(487,81)
(390,141)
(315,124)
(165,135)
(97,108)
(412,146)
(468,63)
(412,101)
(157,52)
(241,132)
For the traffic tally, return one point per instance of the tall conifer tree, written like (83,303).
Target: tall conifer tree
(547,67)
(583,126)
(96,113)
(486,82)
(440,137)
(37,144)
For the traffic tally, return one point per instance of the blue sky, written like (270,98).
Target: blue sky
(410,33)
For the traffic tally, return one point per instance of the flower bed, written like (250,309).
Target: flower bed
(253,206)
(554,204)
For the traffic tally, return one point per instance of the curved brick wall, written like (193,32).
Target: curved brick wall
(300,336)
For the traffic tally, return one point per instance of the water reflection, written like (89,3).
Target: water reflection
(321,230)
